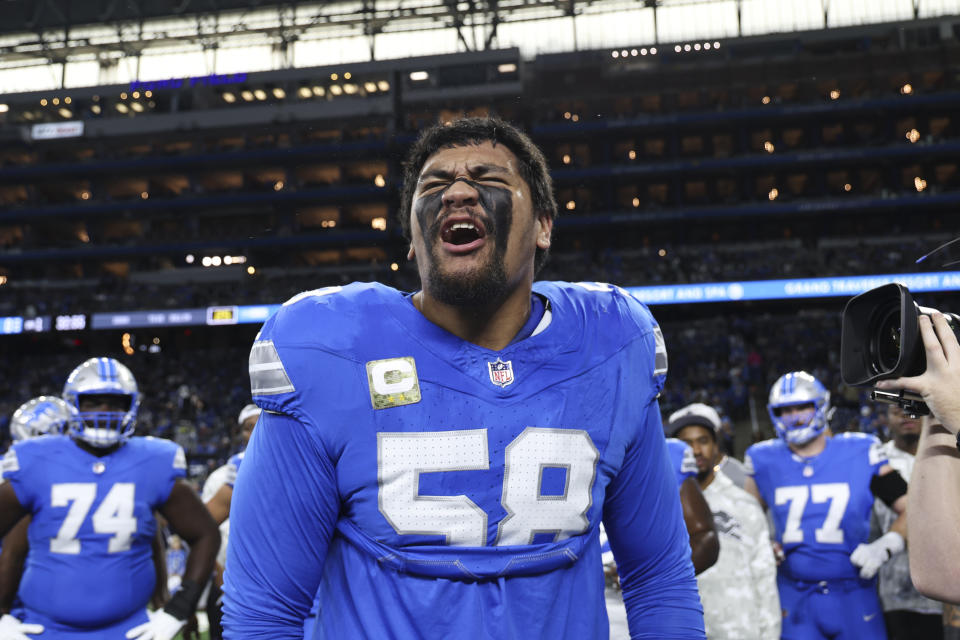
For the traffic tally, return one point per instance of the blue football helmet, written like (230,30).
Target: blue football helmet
(794,389)
(102,376)
(40,416)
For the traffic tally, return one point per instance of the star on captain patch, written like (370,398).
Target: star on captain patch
(501,373)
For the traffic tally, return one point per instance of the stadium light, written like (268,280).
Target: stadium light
(919,184)
(206,261)
(43,102)
(136,106)
(136,95)
(247,95)
(834,94)
(566,158)
(383,85)
(189,259)
(122,108)
(350,88)
(653,51)
(216,261)
(913,135)
(67,100)
(229,97)
(279,93)
(906,89)
(278,185)
(123,95)
(774,193)
(418,76)
(334,77)
(765,100)
(632,154)
(614,54)
(662,253)
(507,67)
(251,270)
(768,147)
(65,113)
(575,118)
(144,195)
(260,94)
(379,223)
(56,101)
(84,195)
(636,202)
(379,180)
(148,93)
(370,87)
(95,109)
(4,108)
(696,47)
(318,91)
(304,92)
(847,187)
(394,266)
(347,75)
(678,48)
(571,205)
(686,47)
(336,89)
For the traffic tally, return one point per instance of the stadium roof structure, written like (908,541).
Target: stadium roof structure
(53,44)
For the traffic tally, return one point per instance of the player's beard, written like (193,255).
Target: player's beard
(483,286)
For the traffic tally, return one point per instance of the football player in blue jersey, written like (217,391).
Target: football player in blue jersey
(437,464)
(43,415)
(89,572)
(821,489)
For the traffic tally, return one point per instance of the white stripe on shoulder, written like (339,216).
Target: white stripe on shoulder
(267,375)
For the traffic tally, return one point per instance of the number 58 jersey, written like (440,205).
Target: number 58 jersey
(441,489)
(90,559)
(821,505)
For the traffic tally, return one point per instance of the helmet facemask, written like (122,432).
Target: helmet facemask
(105,395)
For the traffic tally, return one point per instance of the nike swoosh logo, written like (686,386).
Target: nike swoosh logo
(869,617)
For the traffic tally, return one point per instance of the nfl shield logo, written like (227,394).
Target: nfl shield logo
(501,373)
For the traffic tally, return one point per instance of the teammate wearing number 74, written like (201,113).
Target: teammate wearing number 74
(438,463)
(91,496)
(820,489)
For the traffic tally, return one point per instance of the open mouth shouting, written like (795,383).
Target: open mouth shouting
(462,234)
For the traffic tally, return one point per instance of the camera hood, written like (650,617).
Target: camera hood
(880,337)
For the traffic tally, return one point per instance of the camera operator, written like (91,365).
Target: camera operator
(933,513)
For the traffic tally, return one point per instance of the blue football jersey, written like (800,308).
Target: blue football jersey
(433,488)
(681,456)
(821,505)
(90,562)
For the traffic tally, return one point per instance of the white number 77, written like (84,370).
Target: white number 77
(837,493)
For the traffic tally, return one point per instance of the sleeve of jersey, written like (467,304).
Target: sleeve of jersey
(876,457)
(282,516)
(644,523)
(13,473)
(177,468)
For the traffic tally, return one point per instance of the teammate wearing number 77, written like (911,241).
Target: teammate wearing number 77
(91,495)
(438,463)
(821,490)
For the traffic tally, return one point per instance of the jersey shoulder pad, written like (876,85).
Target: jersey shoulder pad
(325,322)
(162,449)
(760,453)
(864,443)
(608,317)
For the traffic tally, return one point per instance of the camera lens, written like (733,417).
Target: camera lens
(885,340)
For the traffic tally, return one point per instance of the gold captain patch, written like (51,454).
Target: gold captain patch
(393,382)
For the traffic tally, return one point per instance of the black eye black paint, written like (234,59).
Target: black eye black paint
(497,205)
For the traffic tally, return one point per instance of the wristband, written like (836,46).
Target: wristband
(184,601)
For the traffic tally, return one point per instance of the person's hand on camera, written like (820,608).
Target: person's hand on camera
(940,383)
